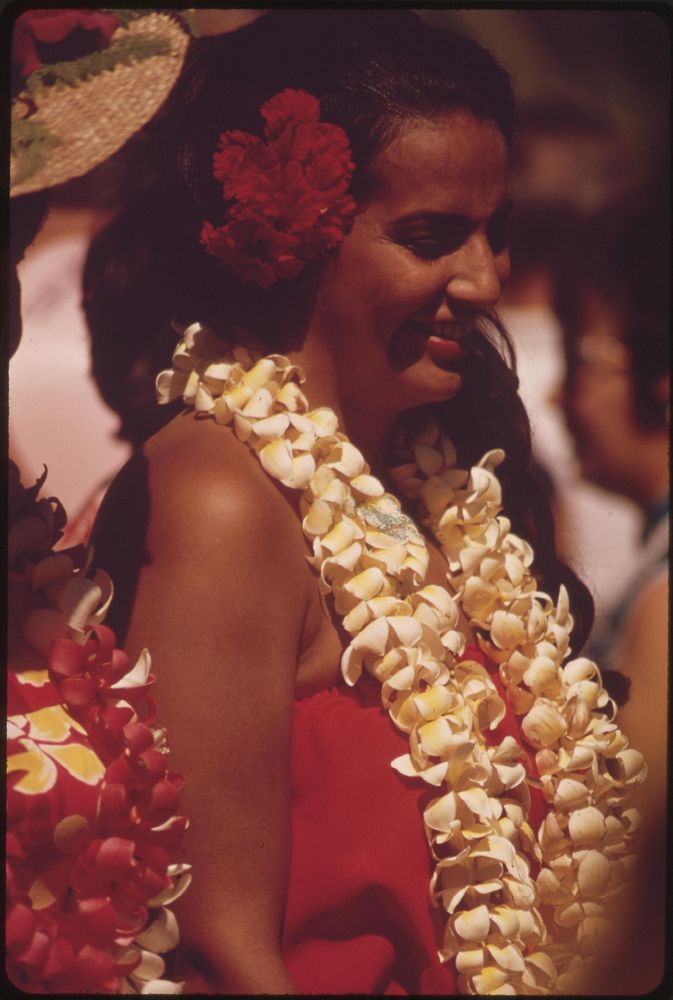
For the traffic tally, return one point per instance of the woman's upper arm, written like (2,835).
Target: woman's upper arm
(223,630)
(643,657)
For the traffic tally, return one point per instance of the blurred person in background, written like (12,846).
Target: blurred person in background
(582,264)
(84,443)
(53,362)
(567,163)
(80,721)
(613,299)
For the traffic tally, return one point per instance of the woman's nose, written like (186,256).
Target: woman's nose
(478,276)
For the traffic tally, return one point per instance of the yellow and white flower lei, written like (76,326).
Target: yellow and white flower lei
(373,560)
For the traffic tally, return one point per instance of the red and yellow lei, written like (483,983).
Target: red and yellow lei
(91,805)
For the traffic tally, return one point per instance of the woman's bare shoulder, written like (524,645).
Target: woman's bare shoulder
(195,496)
(205,485)
(195,454)
(194,474)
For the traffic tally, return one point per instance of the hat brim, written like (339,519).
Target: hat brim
(88,122)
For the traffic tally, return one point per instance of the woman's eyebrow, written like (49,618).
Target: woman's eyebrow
(453,218)
(436,218)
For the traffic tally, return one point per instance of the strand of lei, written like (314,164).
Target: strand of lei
(508,933)
(92,822)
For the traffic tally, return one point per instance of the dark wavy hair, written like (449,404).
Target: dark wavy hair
(372,70)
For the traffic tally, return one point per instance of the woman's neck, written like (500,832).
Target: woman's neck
(364,421)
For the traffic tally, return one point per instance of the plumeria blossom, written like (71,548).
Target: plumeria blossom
(91,804)
(494,874)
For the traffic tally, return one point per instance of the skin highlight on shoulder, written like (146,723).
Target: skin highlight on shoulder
(194,499)
(195,464)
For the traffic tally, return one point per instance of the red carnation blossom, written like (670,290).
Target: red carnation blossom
(290,200)
(252,249)
(287,108)
(55,26)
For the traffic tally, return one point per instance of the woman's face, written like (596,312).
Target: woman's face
(425,256)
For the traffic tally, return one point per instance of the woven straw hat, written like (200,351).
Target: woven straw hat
(74,114)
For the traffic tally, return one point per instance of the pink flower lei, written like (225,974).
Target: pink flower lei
(92,821)
(289,193)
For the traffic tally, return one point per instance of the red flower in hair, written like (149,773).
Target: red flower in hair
(289,194)
(55,26)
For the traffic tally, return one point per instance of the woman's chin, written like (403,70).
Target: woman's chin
(429,375)
(428,382)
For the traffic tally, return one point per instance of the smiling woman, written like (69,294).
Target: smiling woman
(312,629)
(418,268)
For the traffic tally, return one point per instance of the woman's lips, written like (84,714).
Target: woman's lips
(413,340)
(442,349)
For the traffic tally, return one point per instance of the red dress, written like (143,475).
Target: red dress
(359,917)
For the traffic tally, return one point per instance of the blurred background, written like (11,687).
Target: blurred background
(593,88)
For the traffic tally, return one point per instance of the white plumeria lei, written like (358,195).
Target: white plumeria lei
(373,560)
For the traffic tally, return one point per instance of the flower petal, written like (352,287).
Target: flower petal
(473,925)
(276,459)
